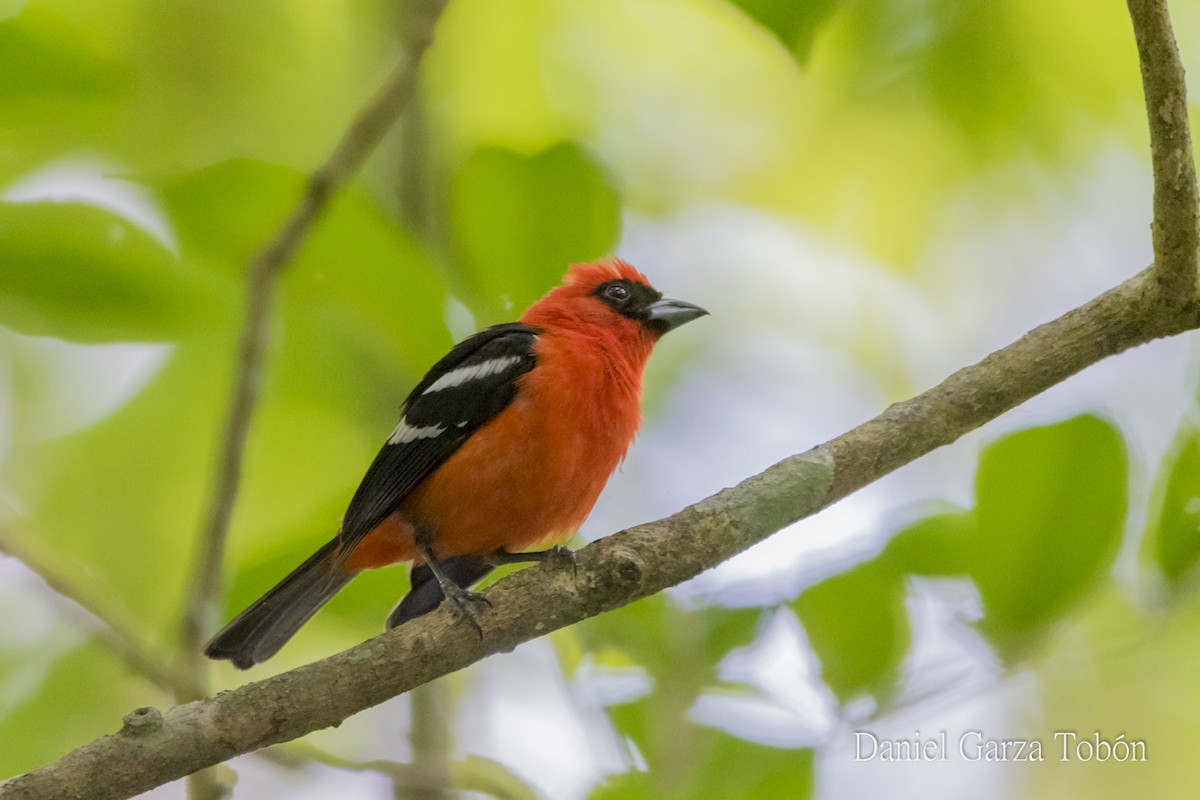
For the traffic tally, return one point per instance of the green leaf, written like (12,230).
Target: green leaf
(734,767)
(519,221)
(681,649)
(357,274)
(636,630)
(79,272)
(1014,78)
(858,626)
(795,23)
(972,67)
(936,546)
(1051,508)
(719,766)
(1175,536)
(227,211)
(42,56)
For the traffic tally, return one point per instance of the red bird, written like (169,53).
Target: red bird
(504,445)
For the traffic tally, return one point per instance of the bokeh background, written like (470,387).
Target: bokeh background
(867,194)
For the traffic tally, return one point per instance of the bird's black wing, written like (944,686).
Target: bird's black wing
(473,383)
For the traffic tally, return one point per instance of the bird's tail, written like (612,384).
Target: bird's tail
(258,632)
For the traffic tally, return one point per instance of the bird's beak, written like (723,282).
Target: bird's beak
(667,315)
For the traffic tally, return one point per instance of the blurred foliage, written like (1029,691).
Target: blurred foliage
(725,766)
(794,24)
(78,272)
(1051,507)
(43,59)
(1125,669)
(858,628)
(681,651)
(1174,543)
(544,122)
(518,219)
(935,546)
(1050,510)
(638,632)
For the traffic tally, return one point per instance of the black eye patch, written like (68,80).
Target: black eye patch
(628,298)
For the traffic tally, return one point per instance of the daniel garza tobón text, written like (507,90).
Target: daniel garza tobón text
(975,746)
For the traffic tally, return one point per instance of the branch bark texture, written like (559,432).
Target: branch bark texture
(1176,238)
(152,748)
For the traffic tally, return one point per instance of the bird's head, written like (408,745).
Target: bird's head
(613,296)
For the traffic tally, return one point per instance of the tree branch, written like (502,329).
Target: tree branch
(1176,227)
(612,572)
(348,157)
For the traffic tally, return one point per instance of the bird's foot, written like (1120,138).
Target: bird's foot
(465,604)
(564,556)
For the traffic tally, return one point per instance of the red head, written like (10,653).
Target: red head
(610,299)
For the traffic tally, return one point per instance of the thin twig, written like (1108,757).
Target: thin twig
(356,145)
(1176,224)
(471,774)
(348,157)
(105,623)
(429,736)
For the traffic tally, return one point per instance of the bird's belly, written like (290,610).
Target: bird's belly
(530,480)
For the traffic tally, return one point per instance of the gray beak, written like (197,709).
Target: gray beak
(667,314)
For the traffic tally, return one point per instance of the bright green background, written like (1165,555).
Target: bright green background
(539,124)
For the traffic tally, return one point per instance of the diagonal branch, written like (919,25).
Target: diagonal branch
(1176,226)
(352,151)
(612,572)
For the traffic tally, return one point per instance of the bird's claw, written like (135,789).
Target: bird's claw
(465,605)
(563,553)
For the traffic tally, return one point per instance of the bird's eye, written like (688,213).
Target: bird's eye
(617,292)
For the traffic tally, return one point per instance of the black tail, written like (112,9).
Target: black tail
(257,633)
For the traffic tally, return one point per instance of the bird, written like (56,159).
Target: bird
(502,447)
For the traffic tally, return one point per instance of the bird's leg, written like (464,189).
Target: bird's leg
(463,603)
(556,553)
